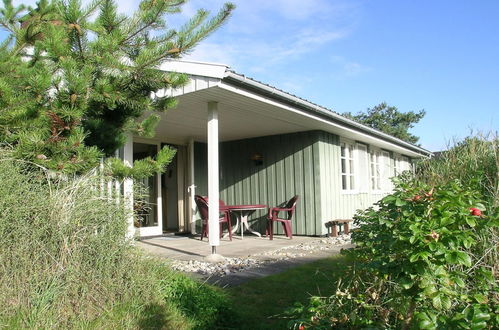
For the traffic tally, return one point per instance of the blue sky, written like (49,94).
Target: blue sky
(441,56)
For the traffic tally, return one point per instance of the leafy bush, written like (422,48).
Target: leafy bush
(426,255)
(417,264)
(65,262)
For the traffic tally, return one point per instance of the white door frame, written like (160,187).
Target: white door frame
(158,229)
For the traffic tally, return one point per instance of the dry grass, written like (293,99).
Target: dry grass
(65,262)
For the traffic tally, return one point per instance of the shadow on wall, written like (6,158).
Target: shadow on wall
(286,165)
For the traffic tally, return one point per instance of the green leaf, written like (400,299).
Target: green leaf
(481,316)
(451,257)
(480,298)
(400,202)
(414,257)
(470,221)
(388,199)
(467,243)
(437,302)
(480,206)
(478,325)
(424,255)
(446,302)
(430,291)
(425,324)
(459,282)
(458,257)
(440,270)
(463,258)
(444,221)
(415,228)
(424,321)
(406,283)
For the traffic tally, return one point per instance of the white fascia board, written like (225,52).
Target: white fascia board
(360,136)
(213,70)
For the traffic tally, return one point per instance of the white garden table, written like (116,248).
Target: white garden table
(242,213)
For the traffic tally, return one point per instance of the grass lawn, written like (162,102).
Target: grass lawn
(261,301)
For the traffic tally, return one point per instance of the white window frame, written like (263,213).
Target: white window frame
(348,171)
(362,173)
(400,166)
(407,160)
(387,171)
(375,170)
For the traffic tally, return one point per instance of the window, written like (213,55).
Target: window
(375,162)
(347,166)
(362,163)
(406,164)
(386,171)
(402,164)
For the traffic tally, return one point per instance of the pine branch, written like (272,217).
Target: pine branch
(72,98)
(158,13)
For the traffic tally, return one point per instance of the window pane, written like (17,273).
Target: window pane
(342,150)
(343,166)
(351,167)
(344,182)
(352,182)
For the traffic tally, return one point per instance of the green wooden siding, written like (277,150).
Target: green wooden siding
(305,164)
(337,204)
(290,167)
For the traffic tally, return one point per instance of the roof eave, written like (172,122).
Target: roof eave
(276,94)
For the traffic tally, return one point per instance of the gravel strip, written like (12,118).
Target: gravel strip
(234,265)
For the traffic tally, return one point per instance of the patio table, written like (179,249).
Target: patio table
(242,213)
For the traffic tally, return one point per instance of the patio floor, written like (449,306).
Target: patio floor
(192,248)
(277,255)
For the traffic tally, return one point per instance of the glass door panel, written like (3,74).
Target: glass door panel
(146,194)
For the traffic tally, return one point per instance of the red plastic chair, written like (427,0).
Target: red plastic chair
(202,203)
(273,216)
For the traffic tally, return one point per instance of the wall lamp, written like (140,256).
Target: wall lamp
(257,158)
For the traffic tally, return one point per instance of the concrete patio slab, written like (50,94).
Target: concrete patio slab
(275,256)
(192,248)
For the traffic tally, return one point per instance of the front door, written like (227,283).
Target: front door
(147,194)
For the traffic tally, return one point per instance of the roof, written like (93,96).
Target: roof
(230,77)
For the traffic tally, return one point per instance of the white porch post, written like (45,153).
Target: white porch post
(192,187)
(213,183)
(128,185)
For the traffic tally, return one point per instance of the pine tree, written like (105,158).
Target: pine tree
(74,79)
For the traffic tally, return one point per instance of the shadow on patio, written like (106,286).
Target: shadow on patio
(192,248)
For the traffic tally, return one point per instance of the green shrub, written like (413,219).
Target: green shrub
(426,255)
(65,262)
(419,264)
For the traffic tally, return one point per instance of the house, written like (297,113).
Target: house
(249,142)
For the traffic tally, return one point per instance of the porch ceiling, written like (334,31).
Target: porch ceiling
(239,117)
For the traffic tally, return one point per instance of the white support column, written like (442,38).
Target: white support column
(192,186)
(128,185)
(213,183)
